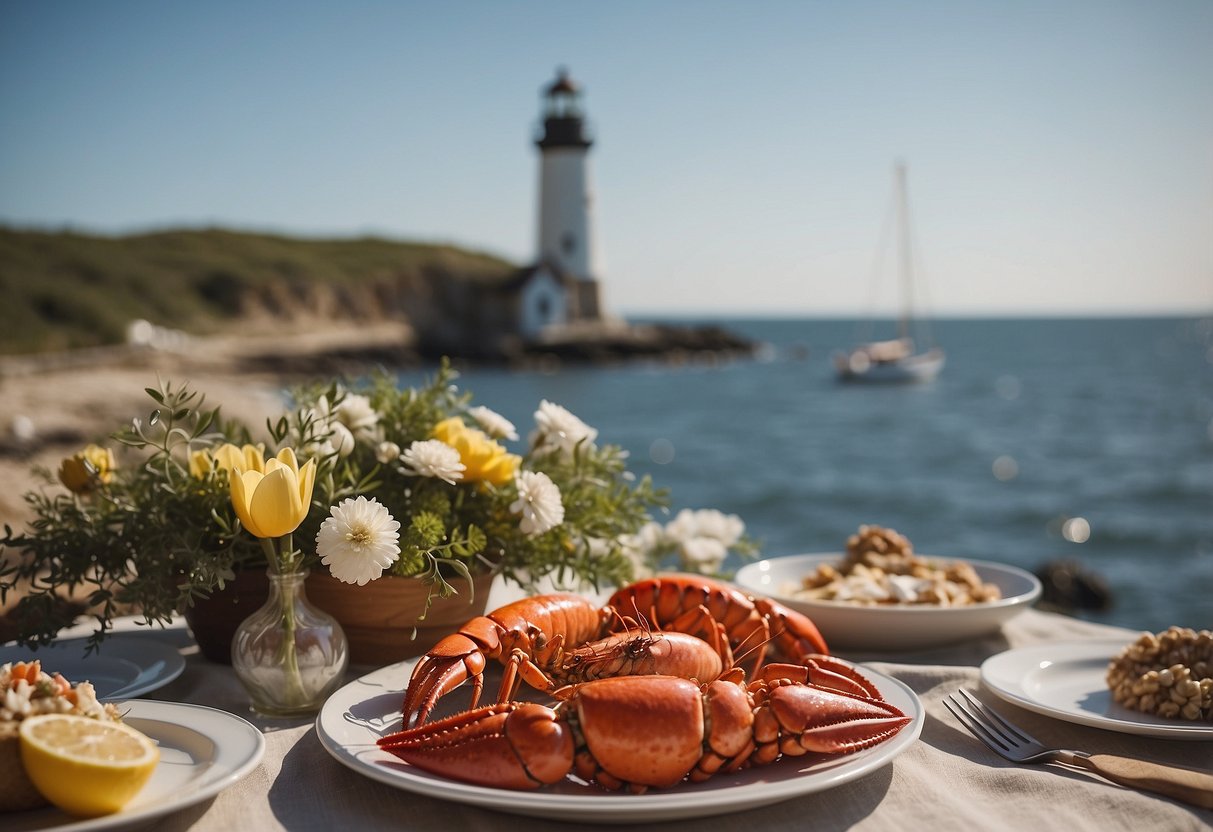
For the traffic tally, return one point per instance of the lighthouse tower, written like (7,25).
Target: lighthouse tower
(566,230)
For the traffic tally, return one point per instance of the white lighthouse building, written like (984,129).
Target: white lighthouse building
(566,201)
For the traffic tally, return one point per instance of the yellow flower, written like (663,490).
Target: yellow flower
(273,503)
(226,458)
(484,460)
(84,471)
(201,464)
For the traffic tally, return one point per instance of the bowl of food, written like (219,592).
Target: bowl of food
(880,596)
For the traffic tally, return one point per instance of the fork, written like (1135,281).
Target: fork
(1016,745)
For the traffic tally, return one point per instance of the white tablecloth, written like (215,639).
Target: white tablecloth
(946,780)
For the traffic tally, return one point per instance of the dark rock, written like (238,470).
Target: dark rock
(1067,586)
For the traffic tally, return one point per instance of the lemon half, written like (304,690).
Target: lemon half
(85,766)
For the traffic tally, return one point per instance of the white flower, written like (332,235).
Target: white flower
(703,537)
(356,414)
(703,554)
(558,428)
(493,423)
(358,540)
(433,458)
(643,548)
(339,426)
(334,436)
(708,522)
(538,502)
(387,452)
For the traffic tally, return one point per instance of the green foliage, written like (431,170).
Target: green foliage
(66,290)
(160,530)
(454,529)
(151,538)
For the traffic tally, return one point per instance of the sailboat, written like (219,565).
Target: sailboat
(895,360)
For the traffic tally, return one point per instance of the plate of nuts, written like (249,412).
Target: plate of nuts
(1159,685)
(880,596)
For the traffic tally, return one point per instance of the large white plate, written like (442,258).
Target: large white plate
(1066,680)
(123,666)
(202,752)
(361,712)
(847,626)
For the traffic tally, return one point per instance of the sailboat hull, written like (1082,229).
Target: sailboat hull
(857,367)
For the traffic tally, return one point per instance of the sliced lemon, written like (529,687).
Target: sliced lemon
(85,766)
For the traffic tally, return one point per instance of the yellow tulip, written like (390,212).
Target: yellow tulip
(201,464)
(484,460)
(225,458)
(273,503)
(248,458)
(84,471)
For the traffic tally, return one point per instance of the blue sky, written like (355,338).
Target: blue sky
(1060,154)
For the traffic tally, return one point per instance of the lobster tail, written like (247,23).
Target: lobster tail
(794,633)
(511,745)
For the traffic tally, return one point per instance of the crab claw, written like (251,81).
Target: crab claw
(805,717)
(511,745)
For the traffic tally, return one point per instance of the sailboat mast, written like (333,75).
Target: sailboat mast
(906,258)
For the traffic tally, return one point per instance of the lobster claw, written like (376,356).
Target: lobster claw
(510,745)
(447,666)
(798,718)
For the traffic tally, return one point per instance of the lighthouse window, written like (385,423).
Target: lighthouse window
(545,308)
(568,243)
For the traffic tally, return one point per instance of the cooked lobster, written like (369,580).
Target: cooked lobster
(637,732)
(675,602)
(532,636)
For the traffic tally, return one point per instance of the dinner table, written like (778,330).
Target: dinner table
(944,779)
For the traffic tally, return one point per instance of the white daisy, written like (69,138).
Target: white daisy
(538,502)
(358,540)
(433,458)
(493,423)
(558,428)
(387,452)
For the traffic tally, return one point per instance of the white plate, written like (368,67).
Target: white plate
(202,752)
(356,716)
(124,666)
(847,626)
(1066,680)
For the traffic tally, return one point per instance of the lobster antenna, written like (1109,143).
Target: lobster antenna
(742,656)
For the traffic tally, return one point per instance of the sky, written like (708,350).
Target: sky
(1060,155)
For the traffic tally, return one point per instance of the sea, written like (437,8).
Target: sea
(1045,441)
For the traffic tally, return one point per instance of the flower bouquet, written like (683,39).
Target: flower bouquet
(388,482)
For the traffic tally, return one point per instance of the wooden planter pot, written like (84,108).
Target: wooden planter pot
(378,618)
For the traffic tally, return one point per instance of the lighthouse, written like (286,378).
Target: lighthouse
(566,222)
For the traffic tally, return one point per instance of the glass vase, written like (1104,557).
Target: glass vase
(289,655)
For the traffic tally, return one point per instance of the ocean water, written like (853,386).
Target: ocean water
(1086,440)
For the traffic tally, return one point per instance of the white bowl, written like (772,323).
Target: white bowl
(848,626)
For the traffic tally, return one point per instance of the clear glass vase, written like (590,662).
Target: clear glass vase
(289,655)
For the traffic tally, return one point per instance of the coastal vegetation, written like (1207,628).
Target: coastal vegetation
(66,290)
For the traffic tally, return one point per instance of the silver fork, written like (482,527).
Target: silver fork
(1016,745)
